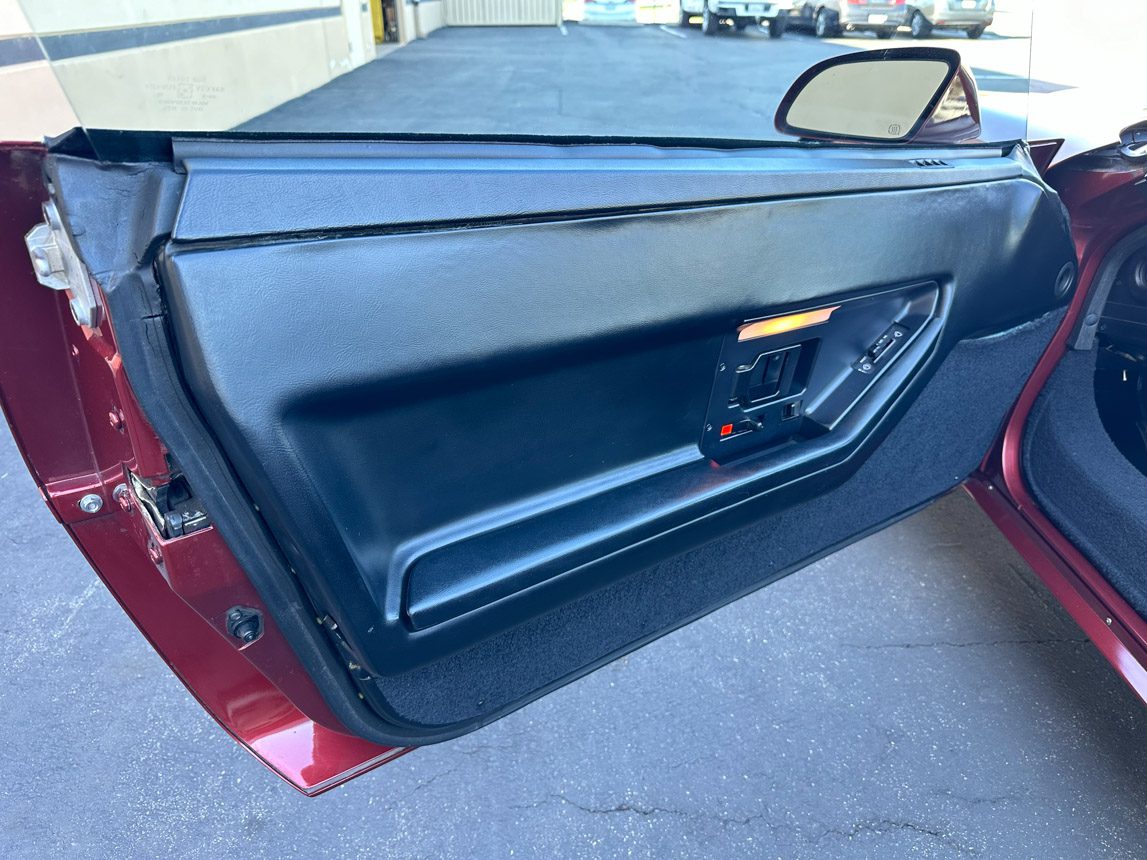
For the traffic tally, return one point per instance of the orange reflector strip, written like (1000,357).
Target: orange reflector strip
(779,325)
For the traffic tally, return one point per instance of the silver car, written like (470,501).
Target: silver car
(829,18)
(971,16)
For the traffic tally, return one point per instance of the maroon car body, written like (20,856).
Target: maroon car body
(76,422)
(1105,199)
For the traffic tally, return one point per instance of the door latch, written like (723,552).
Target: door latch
(58,266)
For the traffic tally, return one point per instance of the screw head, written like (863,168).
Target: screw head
(92,503)
(154,553)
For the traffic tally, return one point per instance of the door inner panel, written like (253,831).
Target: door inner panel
(482,441)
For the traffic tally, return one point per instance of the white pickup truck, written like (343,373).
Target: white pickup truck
(714,12)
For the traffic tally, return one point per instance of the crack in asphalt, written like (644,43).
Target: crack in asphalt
(429,781)
(868,826)
(880,826)
(627,807)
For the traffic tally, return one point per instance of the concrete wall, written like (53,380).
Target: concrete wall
(162,64)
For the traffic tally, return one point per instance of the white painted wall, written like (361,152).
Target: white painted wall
(206,83)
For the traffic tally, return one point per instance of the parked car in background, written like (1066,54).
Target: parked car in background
(971,16)
(828,18)
(774,14)
(610,11)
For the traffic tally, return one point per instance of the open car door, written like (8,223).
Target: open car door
(379,440)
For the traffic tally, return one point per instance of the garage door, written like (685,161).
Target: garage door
(475,13)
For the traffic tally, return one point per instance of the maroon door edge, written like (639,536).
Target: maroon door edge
(1105,201)
(78,427)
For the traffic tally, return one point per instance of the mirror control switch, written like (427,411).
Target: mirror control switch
(889,341)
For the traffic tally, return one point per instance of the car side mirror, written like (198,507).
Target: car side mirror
(898,95)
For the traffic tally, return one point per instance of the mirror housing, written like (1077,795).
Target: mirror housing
(1133,141)
(899,95)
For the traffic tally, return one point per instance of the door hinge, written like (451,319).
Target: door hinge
(58,266)
(172,507)
(350,658)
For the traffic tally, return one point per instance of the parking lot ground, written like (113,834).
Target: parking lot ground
(624,80)
(916,694)
(582,79)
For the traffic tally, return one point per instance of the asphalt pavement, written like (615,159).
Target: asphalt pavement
(916,694)
(593,80)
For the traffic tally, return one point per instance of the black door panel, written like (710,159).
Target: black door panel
(940,439)
(321,187)
(481,425)
(493,576)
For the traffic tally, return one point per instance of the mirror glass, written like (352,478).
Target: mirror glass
(880,99)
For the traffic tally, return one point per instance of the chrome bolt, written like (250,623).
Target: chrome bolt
(91,503)
(122,496)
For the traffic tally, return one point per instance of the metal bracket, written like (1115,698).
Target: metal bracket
(58,266)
